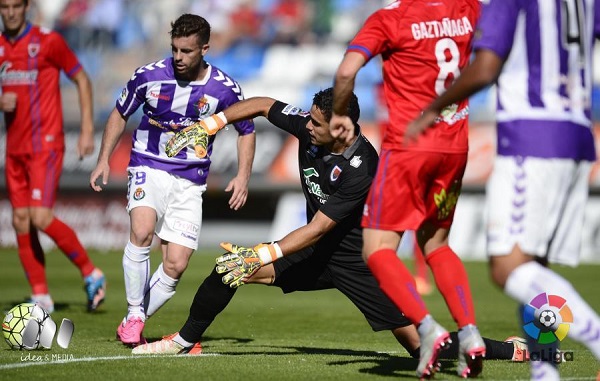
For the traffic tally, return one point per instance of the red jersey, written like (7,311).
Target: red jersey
(30,67)
(424,44)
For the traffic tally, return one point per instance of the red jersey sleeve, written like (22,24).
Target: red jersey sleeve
(62,56)
(373,38)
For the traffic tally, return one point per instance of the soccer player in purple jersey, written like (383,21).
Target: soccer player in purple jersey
(539,53)
(165,194)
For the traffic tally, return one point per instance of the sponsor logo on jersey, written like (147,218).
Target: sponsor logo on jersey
(446,201)
(156,95)
(123,96)
(355,161)
(139,194)
(16,77)
(314,188)
(451,114)
(335,173)
(33,49)
(291,110)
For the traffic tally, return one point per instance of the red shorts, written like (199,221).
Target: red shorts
(32,179)
(411,188)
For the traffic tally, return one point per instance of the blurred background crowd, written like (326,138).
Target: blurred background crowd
(294,44)
(285,49)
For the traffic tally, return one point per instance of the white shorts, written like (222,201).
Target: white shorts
(177,202)
(537,204)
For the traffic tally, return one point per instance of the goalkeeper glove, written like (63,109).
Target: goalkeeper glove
(240,263)
(196,135)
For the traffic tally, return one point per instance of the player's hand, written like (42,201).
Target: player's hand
(419,125)
(341,128)
(196,135)
(193,135)
(239,264)
(8,102)
(102,170)
(238,187)
(85,145)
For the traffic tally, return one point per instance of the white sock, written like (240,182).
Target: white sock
(531,279)
(425,325)
(544,371)
(161,289)
(179,340)
(136,267)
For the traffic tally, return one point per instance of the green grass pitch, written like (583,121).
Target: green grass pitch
(262,335)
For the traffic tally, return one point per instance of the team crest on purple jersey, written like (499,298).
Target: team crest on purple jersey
(203,106)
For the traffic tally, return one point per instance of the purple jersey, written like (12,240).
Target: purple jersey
(545,89)
(169,106)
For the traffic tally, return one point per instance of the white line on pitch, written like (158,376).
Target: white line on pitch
(26,364)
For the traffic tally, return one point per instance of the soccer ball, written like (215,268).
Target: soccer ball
(15,322)
(547,318)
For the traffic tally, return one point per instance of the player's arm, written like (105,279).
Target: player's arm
(115,126)
(85,145)
(246,146)
(481,72)
(240,263)
(243,110)
(197,134)
(306,235)
(340,125)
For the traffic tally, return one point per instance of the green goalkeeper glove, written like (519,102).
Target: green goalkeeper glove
(196,135)
(240,263)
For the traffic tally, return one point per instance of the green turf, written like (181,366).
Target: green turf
(262,335)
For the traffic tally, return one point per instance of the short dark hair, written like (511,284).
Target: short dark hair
(323,100)
(188,24)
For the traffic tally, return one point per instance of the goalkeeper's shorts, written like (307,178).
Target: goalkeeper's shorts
(308,270)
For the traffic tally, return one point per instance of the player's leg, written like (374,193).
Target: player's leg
(179,229)
(441,196)
(395,204)
(163,282)
(421,271)
(45,171)
(543,232)
(146,199)
(136,272)
(396,281)
(30,251)
(211,298)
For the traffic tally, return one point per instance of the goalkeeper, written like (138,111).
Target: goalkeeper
(335,179)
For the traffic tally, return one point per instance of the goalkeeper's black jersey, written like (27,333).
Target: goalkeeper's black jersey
(335,184)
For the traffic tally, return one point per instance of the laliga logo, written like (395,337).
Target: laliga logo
(546,318)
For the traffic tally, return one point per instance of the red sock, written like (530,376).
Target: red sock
(32,260)
(67,241)
(397,283)
(452,281)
